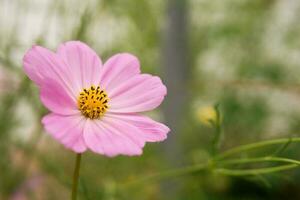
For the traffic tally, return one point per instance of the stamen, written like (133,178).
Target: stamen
(93,104)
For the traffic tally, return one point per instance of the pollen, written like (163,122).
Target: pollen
(93,102)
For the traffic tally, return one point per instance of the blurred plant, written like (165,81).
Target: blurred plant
(219,162)
(243,52)
(211,116)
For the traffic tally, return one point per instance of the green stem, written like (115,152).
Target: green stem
(247,172)
(256,145)
(259,159)
(230,172)
(76,176)
(235,172)
(282,148)
(218,131)
(170,173)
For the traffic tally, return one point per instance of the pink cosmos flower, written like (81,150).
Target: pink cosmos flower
(93,105)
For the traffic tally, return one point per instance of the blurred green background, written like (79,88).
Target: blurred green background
(242,54)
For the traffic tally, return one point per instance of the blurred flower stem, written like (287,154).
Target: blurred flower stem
(76,176)
(255,145)
(169,173)
(247,172)
(218,131)
(259,159)
(214,165)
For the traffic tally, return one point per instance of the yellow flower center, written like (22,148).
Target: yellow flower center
(92,102)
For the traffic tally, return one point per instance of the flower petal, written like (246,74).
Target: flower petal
(151,130)
(118,69)
(140,93)
(68,130)
(83,63)
(113,138)
(94,140)
(41,64)
(56,99)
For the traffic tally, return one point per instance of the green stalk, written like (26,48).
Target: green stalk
(255,145)
(210,165)
(229,172)
(259,159)
(218,131)
(170,173)
(247,172)
(76,177)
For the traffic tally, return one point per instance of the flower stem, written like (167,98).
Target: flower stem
(212,164)
(170,173)
(248,172)
(218,131)
(255,145)
(76,176)
(259,159)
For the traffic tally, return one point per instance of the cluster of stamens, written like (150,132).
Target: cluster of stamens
(92,102)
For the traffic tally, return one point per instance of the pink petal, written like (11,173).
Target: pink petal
(113,137)
(140,93)
(151,130)
(40,64)
(68,130)
(83,63)
(93,139)
(56,99)
(118,69)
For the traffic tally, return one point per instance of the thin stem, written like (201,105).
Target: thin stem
(282,148)
(247,172)
(76,176)
(170,173)
(259,159)
(218,131)
(256,145)
(230,172)
(263,180)
(234,172)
